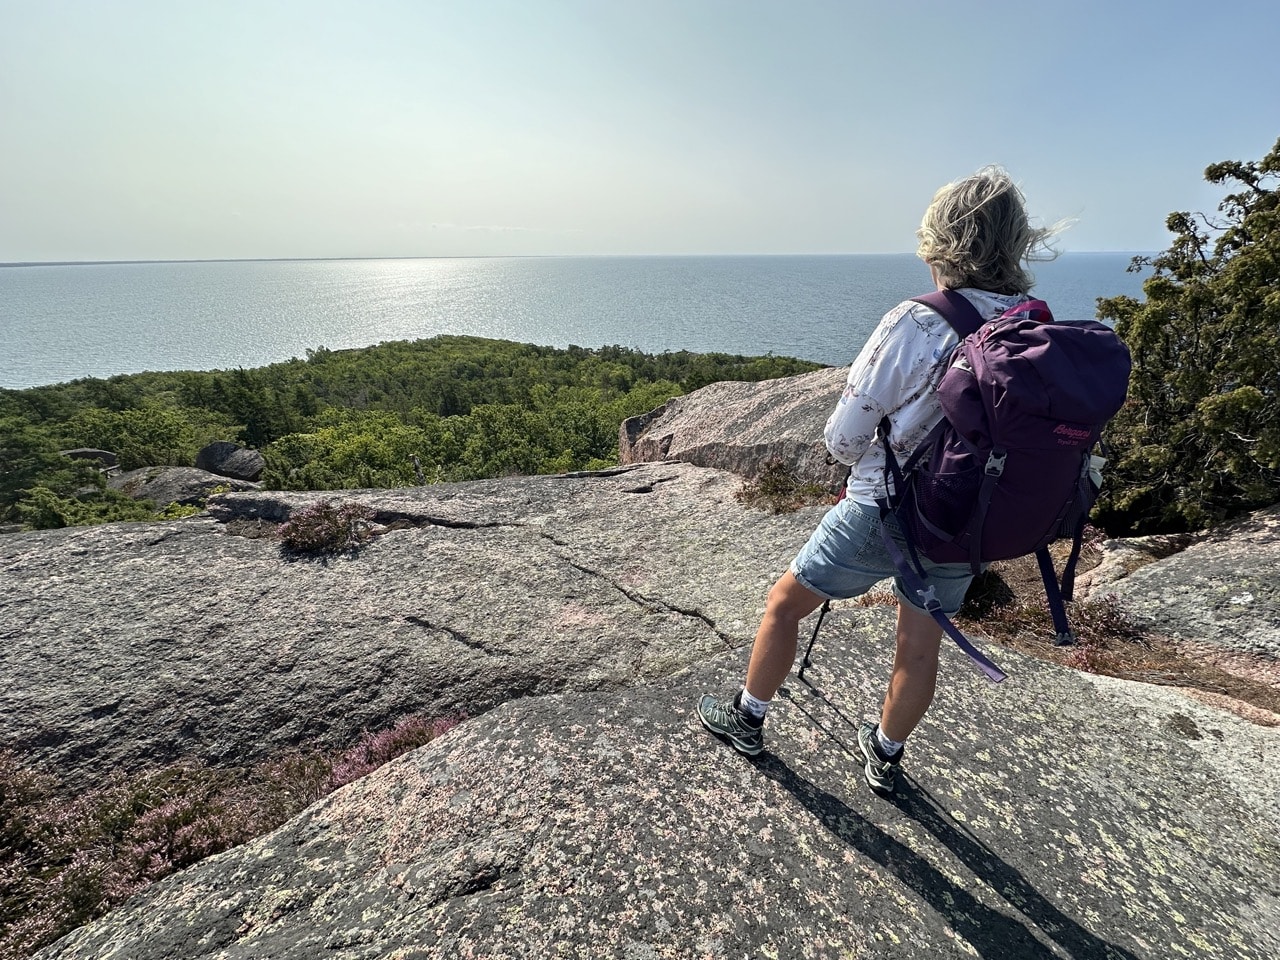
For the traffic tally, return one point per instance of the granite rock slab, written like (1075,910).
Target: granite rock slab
(126,646)
(1054,815)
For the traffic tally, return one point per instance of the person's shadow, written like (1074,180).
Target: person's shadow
(991,933)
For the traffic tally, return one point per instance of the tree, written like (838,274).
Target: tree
(151,434)
(1199,439)
(348,450)
(30,459)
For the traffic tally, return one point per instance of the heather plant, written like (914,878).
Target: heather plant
(64,862)
(375,749)
(1089,656)
(778,489)
(326,527)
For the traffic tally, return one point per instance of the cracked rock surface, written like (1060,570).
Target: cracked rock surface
(1221,591)
(580,810)
(129,645)
(1056,815)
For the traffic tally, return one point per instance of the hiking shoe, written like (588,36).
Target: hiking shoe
(881,771)
(730,723)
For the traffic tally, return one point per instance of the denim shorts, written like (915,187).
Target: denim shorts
(845,557)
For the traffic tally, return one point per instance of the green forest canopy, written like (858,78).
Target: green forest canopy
(395,414)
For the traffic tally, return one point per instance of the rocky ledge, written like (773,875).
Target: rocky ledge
(580,810)
(130,645)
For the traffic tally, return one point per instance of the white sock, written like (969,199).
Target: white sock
(889,747)
(752,707)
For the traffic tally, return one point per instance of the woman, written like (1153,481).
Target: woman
(976,238)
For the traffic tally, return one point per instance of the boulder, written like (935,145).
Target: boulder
(740,427)
(228,459)
(186,486)
(105,458)
(1218,598)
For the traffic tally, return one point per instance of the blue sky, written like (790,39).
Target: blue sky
(176,130)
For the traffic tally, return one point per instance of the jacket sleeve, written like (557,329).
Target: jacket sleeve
(877,384)
(851,428)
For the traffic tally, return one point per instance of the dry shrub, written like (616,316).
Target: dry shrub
(876,598)
(779,489)
(326,527)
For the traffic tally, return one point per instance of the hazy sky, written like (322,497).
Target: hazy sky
(175,130)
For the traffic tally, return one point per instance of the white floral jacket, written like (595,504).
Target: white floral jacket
(897,374)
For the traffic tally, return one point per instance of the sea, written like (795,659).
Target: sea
(61,322)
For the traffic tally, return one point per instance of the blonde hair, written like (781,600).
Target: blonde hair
(976,234)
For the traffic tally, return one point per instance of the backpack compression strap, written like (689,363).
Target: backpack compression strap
(927,598)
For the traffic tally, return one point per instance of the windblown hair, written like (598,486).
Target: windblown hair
(976,234)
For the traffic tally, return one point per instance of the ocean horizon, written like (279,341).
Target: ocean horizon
(68,320)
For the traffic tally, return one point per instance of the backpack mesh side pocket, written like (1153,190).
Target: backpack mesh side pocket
(939,510)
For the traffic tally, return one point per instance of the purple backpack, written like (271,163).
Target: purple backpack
(1007,470)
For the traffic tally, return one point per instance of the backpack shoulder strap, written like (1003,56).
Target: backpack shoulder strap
(955,308)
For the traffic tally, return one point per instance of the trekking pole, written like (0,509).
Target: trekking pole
(826,605)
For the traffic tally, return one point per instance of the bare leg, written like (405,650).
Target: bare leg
(774,650)
(915,673)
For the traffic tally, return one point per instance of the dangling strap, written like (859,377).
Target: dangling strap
(1077,539)
(1069,572)
(897,499)
(899,488)
(929,600)
(1064,637)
